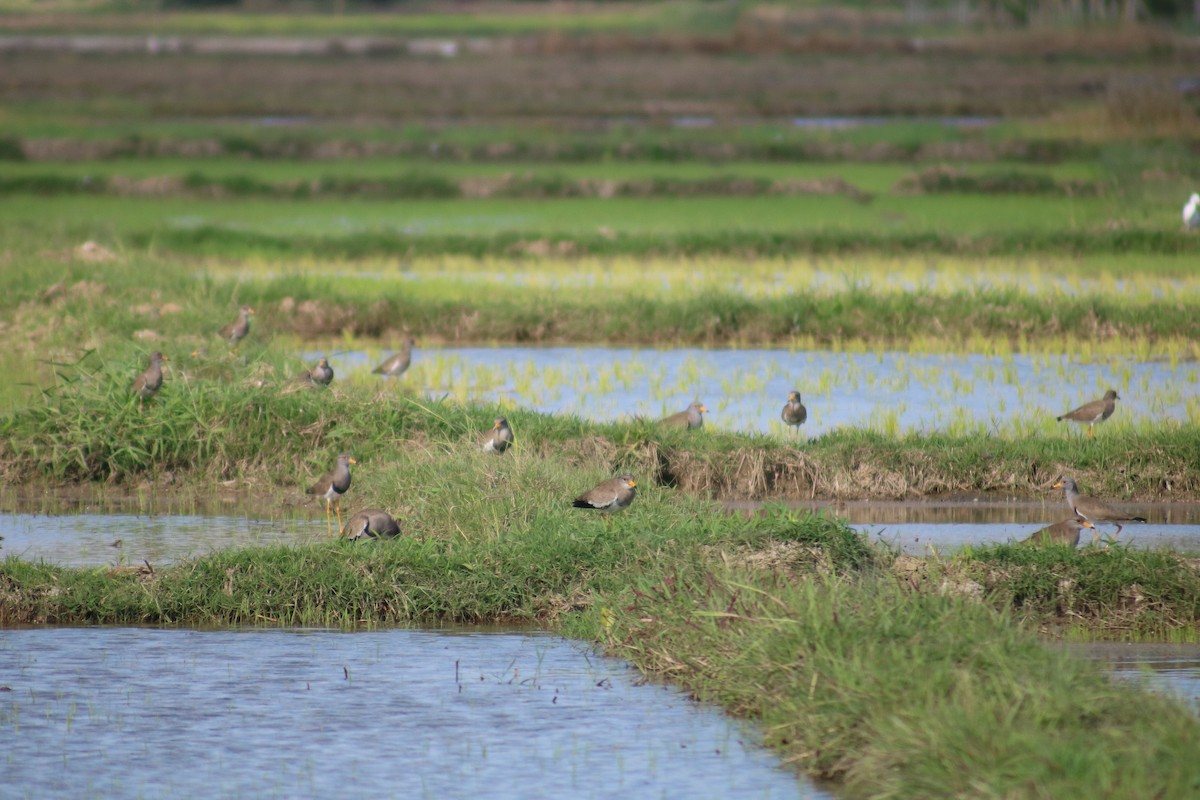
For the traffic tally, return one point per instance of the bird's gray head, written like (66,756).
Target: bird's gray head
(501,422)
(1065,483)
(346,459)
(1111,394)
(794,396)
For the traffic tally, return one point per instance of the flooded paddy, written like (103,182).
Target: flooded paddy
(1163,667)
(88,539)
(91,540)
(923,528)
(132,712)
(887,392)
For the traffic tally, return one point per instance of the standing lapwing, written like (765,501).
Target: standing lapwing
(234,332)
(332,486)
(150,381)
(1090,508)
(794,413)
(396,365)
(1096,411)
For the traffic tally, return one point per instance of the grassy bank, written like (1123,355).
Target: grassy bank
(212,422)
(856,670)
(901,694)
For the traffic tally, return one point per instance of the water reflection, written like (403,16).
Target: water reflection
(287,713)
(890,392)
(1169,668)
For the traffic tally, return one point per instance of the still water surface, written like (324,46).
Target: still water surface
(1163,667)
(91,539)
(745,389)
(120,712)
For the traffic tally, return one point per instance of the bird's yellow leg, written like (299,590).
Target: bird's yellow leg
(339,513)
(328,524)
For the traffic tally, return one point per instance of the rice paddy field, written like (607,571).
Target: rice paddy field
(943,227)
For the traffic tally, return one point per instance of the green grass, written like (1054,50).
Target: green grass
(1122,589)
(761,226)
(886,687)
(899,694)
(212,423)
(627,17)
(873,178)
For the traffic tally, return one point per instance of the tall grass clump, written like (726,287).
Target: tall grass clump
(895,693)
(1114,590)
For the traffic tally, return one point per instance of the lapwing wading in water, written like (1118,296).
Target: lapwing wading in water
(1090,508)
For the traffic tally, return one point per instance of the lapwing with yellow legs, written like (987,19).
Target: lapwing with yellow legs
(332,486)
(499,438)
(794,413)
(234,332)
(371,523)
(150,381)
(1091,509)
(691,417)
(1096,411)
(1062,532)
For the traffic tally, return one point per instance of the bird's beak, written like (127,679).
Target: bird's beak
(704,409)
(632,483)
(1056,485)
(250,310)
(496,427)
(166,358)
(352,460)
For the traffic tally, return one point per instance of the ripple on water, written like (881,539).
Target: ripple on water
(119,712)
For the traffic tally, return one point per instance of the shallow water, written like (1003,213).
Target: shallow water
(119,712)
(93,540)
(922,528)
(745,389)
(87,540)
(1162,667)
(925,539)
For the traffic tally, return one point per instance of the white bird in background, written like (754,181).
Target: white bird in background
(1191,212)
